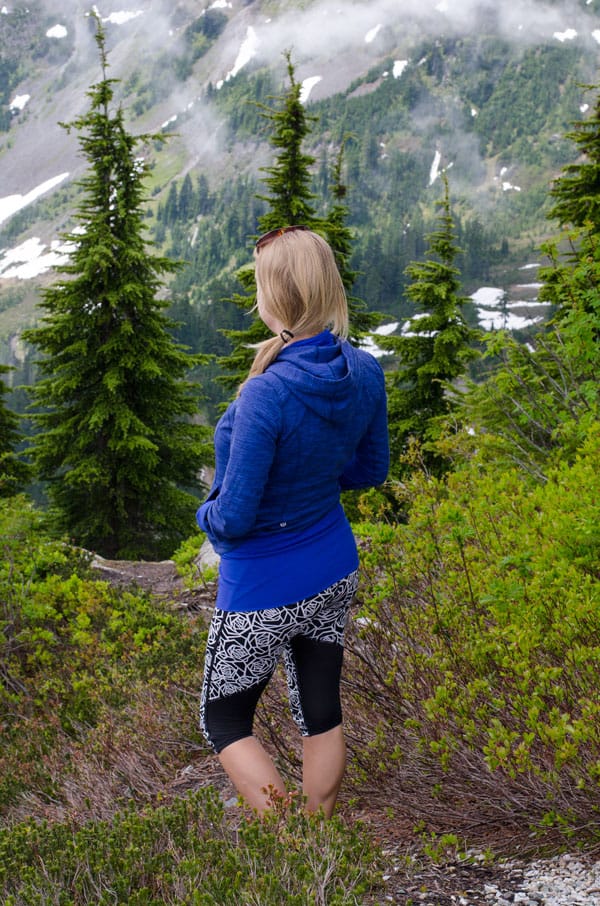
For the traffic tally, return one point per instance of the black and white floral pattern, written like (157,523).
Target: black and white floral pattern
(243,649)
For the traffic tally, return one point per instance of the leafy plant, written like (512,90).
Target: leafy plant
(84,666)
(478,645)
(188,852)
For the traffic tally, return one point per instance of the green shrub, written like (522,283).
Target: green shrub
(80,661)
(479,646)
(188,852)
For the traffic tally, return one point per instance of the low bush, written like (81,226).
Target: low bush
(188,853)
(478,645)
(96,683)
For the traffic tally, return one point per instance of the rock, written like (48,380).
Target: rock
(207,556)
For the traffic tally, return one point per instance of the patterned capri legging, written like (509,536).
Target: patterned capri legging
(243,650)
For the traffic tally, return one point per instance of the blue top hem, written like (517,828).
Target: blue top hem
(285,568)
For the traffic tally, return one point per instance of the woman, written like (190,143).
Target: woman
(309,421)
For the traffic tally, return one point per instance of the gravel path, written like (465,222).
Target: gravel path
(566,880)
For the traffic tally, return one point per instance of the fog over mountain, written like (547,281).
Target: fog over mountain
(331,42)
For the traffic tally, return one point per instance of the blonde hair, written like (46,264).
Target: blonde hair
(301,287)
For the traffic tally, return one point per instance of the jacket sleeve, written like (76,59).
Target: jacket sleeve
(231,509)
(370,464)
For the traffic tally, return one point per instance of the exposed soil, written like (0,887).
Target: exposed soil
(160,579)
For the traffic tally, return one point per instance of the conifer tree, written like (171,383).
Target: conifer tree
(435,349)
(577,189)
(541,400)
(116,443)
(577,207)
(339,237)
(13,471)
(290,201)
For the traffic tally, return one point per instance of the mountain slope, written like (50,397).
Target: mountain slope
(482,89)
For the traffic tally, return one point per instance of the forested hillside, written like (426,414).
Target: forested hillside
(478,91)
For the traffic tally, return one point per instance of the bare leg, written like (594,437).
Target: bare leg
(323,769)
(252,772)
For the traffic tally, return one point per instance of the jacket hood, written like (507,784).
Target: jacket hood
(324,372)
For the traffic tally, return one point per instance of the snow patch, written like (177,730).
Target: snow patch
(19,101)
(372,34)
(567,35)
(596,35)
(506,321)
(507,186)
(494,315)
(529,285)
(407,330)
(57,31)
(30,259)
(399,67)
(307,86)
(369,343)
(435,168)
(123,16)
(247,51)
(487,296)
(10,204)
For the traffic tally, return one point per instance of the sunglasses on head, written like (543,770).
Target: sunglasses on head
(266,238)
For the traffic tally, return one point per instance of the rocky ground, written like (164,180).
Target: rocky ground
(473,879)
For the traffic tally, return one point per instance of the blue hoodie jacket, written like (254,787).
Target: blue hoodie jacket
(314,424)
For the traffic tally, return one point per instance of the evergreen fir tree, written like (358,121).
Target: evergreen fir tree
(290,202)
(577,190)
(541,400)
(186,199)
(577,194)
(339,237)
(434,351)
(13,471)
(116,442)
